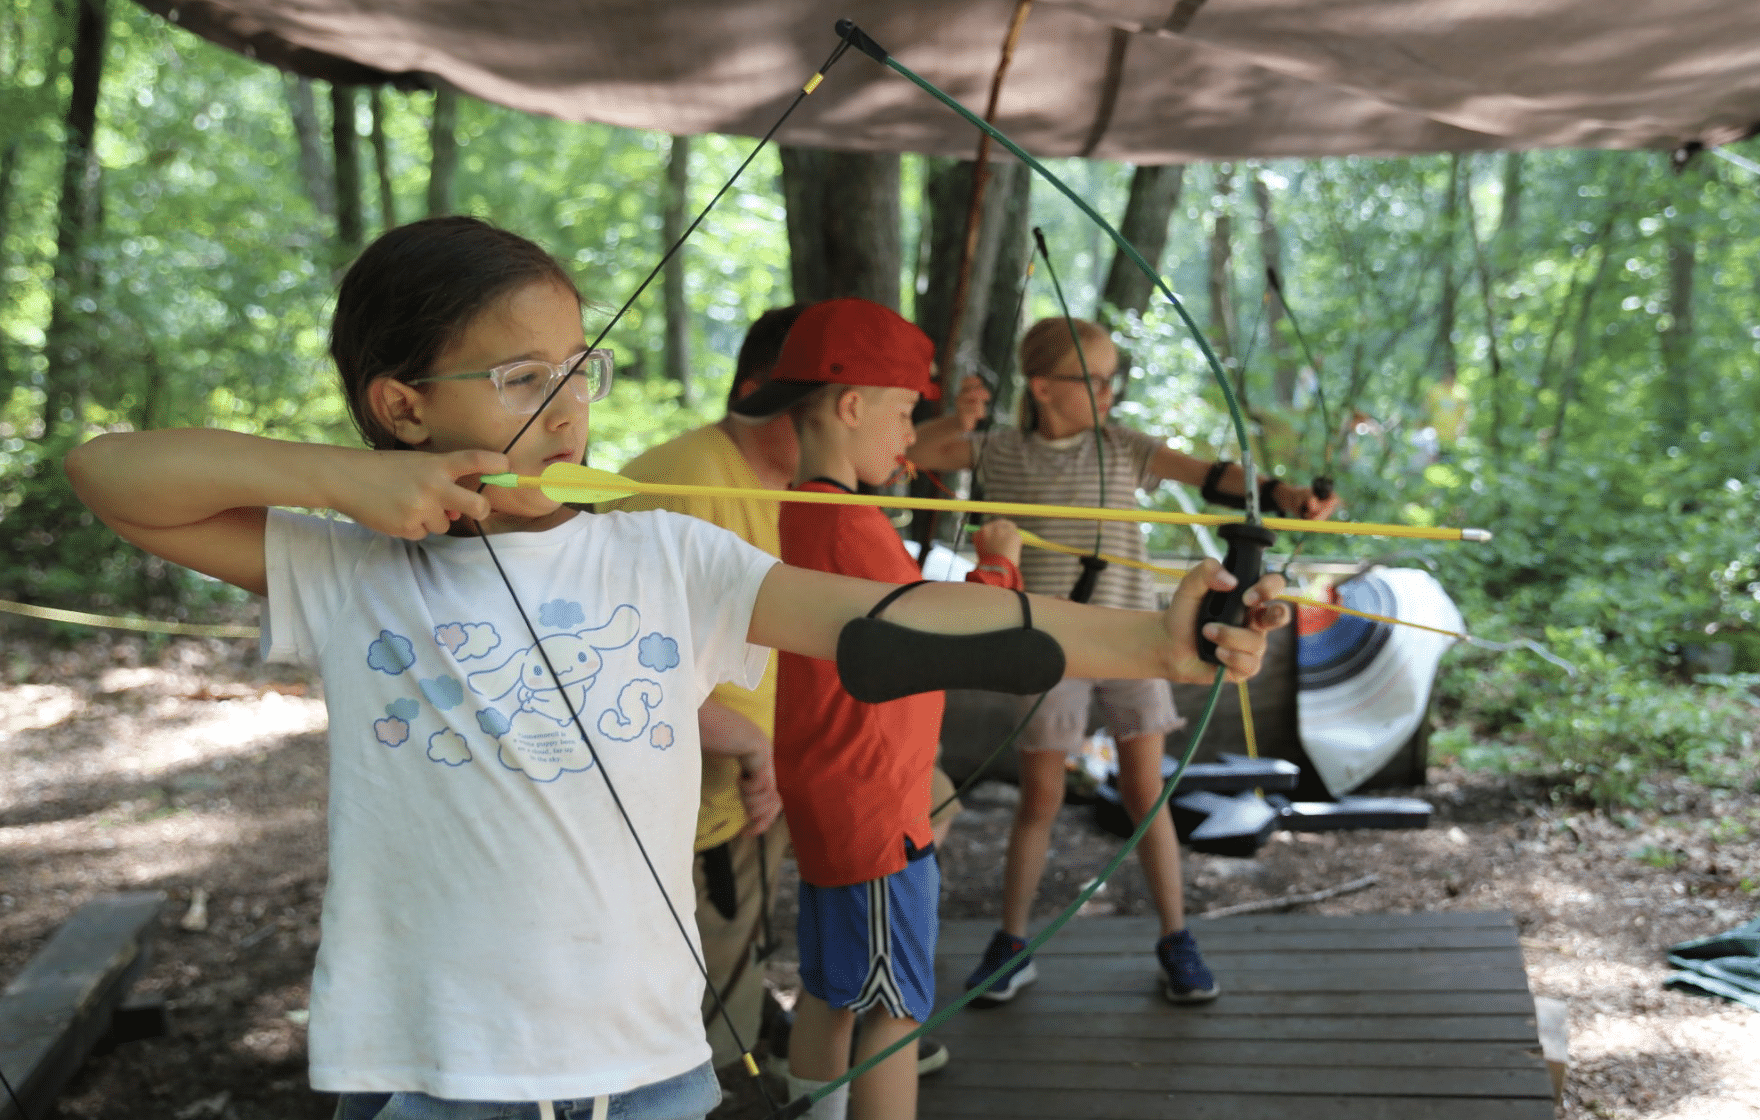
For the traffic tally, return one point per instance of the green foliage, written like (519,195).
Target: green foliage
(1608,441)
(1607,731)
(213,271)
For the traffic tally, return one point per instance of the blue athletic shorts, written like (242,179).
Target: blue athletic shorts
(872,944)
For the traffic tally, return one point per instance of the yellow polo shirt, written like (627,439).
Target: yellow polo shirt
(707,457)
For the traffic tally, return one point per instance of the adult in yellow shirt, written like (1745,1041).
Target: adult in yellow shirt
(738,851)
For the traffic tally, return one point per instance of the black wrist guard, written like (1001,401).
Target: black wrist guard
(879,661)
(1268,497)
(1092,566)
(1211,491)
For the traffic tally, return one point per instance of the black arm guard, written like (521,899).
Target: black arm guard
(1211,491)
(880,661)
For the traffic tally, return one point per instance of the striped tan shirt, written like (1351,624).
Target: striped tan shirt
(1013,466)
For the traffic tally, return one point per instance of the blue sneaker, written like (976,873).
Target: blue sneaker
(1186,979)
(1003,945)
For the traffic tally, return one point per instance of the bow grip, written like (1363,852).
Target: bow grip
(1246,562)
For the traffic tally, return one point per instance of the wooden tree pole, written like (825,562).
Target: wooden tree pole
(947,340)
(947,346)
(1221,275)
(1283,361)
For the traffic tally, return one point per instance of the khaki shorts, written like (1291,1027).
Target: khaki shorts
(1127,709)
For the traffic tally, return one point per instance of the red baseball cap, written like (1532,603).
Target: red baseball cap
(845,342)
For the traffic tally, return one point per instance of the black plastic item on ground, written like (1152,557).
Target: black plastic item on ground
(1225,826)
(1230,773)
(1237,822)
(1357,812)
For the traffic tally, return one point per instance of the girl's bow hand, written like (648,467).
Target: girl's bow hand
(1240,649)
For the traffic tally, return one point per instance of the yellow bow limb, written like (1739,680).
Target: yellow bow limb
(569,482)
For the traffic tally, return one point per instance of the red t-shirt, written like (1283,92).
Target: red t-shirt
(854,777)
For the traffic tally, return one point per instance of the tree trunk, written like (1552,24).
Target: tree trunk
(1507,241)
(1676,342)
(1493,346)
(382,160)
(314,170)
(443,151)
(1221,285)
(346,152)
(1284,365)
(1154,193)
(66,341)
(8,183)
(843,224)
(1443,345)
(947,203)
(1543,374)
(676,356)
(1580,338)
(1014,248)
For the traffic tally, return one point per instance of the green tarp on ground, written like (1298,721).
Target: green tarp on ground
(1727,965)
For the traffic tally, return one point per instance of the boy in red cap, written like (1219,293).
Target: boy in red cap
(855,777)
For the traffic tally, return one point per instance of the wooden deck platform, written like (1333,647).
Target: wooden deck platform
(1369,1017)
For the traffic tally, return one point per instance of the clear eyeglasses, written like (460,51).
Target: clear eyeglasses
(1118,382)
(526,384)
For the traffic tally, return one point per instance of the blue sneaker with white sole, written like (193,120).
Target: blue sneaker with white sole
(1003,946)
(1185,979)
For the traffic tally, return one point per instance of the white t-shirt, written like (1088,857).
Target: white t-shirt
(490,930)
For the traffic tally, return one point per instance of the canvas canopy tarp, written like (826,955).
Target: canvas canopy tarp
(1147,81)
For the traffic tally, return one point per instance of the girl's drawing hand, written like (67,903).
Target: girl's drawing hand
(411,494)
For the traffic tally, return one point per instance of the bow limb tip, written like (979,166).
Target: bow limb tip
(857,38)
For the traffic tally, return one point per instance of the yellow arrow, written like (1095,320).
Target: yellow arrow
(569,482)
(1034,540)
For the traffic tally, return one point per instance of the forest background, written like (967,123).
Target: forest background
(1562,347)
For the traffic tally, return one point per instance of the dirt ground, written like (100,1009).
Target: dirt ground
(196,771)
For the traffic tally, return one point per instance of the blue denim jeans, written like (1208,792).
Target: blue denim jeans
(689,1096)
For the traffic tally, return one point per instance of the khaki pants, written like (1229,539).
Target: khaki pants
(730,946)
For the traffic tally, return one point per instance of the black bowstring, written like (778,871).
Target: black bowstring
(1302,340)
(16,1103)
(605,775)
(1093,404)
(1275,283)
(1087,378)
